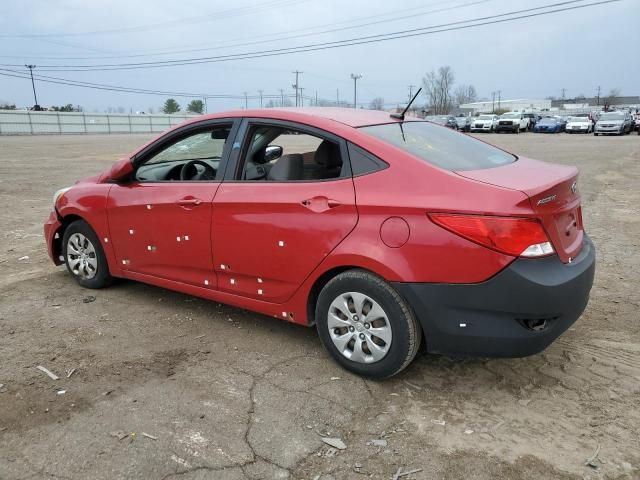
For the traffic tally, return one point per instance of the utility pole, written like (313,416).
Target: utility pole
(35,98)
(281,97)
(316,98)
(499,98)
(206,110)
(563,91)
(297,84)
(599,89)
(411,87)
(260,92)
(246,101)
(355,78)
(493,102)
(337,97)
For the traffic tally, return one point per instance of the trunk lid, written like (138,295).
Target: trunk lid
(554,197)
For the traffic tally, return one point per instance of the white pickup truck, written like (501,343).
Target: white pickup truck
(514,122)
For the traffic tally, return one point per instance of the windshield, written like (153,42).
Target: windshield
(511,115)
(485,117)
(440,146)
(578,119)
(548,121)
(612,116)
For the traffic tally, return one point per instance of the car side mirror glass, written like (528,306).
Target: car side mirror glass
(272,152)
(121,169)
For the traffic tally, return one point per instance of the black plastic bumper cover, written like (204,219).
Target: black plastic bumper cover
(489,318)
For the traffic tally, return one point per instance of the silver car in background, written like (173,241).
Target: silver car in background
(613,123)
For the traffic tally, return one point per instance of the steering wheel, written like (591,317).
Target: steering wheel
(190,172)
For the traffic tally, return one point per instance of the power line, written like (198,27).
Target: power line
(114,88)
(222,14)
(459,25)
(259,42)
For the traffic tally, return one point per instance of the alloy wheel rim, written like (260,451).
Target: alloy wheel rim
(359,328)
(81,256)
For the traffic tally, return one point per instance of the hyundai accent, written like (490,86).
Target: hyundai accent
(385,233)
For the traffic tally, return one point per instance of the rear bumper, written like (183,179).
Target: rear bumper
(489,318)
(51,227)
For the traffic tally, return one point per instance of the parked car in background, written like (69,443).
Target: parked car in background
(637,122)
(378,231)
(514,122)
(613,123)
(579,125)
(484,123)
(463,122)
(548,125)
(533,119)
(445,120)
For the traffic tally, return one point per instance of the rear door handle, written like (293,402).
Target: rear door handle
(189,202)
(320,204)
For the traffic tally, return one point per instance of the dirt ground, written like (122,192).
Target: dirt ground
(168,386)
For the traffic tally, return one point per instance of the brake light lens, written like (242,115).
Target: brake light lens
(520,237)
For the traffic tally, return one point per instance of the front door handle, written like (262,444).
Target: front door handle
(320,204)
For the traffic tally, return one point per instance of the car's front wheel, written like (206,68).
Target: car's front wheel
(366,326)
(84,256)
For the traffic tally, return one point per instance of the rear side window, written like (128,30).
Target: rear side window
(440,146)
(362,162)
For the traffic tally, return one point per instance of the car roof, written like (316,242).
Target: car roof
(353,117)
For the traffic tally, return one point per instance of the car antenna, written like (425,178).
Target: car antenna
(400,116)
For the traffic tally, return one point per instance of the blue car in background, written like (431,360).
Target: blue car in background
(549,125)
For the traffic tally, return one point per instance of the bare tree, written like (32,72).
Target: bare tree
(437,88)
(613,93)
(465,94)
(377,104)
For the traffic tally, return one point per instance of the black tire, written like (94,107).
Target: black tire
(405,329)
(100,277)
(595,134)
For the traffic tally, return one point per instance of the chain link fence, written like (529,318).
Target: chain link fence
(22,122)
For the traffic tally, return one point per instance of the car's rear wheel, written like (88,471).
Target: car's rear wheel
(366,326)
(84,256)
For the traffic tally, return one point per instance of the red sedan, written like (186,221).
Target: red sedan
(385,233)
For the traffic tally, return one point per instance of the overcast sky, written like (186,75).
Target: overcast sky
(528,58)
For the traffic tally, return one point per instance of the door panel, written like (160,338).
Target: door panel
(268,237)
(164,229)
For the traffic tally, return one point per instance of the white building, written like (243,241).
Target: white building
(517,105)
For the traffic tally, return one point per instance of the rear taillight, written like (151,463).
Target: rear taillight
(520,237)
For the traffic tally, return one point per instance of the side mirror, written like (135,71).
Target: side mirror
(121,169)
(272,152)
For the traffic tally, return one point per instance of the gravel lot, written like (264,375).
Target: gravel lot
(169,386)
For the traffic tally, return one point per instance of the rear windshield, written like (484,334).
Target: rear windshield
(440,146)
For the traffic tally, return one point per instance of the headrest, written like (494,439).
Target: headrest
(288,167)
(328,155)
